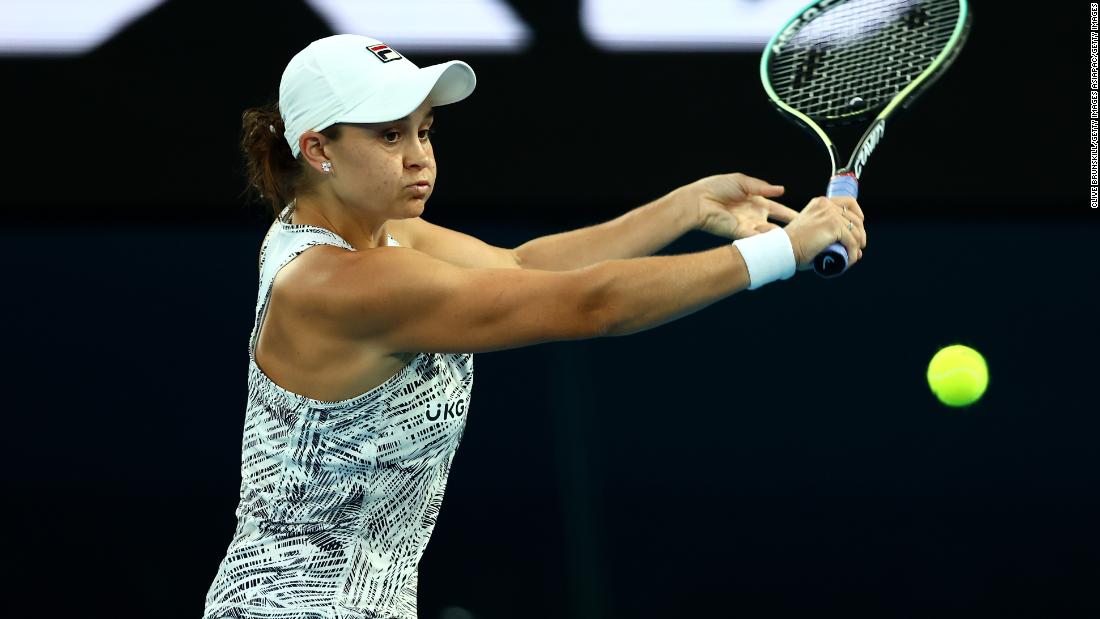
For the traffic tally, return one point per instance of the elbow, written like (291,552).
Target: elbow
(597,322)
(599,313)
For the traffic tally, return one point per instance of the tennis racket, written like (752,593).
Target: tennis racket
(842,62)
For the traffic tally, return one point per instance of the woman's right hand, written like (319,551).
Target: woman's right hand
(823,222)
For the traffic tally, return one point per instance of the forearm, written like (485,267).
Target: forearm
(639,294)
(640,232)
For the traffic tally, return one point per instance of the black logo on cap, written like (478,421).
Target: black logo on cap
(384,53)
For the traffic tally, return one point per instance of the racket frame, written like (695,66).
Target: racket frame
(873,135)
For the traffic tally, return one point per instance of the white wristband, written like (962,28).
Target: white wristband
(769,256)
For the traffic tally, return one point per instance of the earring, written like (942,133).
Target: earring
(326,166)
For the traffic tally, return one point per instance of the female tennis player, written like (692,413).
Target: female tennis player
(360,357)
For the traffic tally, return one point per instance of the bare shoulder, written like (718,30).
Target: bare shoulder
(306,345)
(332,286)
(452,246)
(394,299)
(308,276)
(404,230)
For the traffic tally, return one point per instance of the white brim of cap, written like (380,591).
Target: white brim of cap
(440,84)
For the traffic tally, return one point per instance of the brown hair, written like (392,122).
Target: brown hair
(274,175)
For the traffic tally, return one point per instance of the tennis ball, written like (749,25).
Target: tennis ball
(958,375)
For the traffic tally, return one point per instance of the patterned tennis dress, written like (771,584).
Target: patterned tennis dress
(338,499)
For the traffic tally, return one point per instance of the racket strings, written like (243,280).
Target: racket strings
(856,56)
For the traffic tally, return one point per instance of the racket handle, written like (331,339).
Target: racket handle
(834,260)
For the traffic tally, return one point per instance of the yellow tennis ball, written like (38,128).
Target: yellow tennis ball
(958,375)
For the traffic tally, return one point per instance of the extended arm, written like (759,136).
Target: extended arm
(639,232)
(731,206)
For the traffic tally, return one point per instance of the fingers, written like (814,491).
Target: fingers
(850,211)
(855,238)
(752,185)
(850,203)
(825,221)
(845,211)
(779,212)
(851,243)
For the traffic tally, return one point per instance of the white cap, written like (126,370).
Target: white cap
(356,79)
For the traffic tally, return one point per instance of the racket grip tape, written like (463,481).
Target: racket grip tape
(834,259)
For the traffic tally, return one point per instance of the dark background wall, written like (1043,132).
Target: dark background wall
(710,467)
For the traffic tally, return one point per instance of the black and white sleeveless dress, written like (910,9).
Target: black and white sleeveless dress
(338,499)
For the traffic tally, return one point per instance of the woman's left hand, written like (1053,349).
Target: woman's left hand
(736,206)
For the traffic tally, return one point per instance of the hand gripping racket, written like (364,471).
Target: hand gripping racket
(838,62)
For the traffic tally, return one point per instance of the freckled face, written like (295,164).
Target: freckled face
(378,166)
